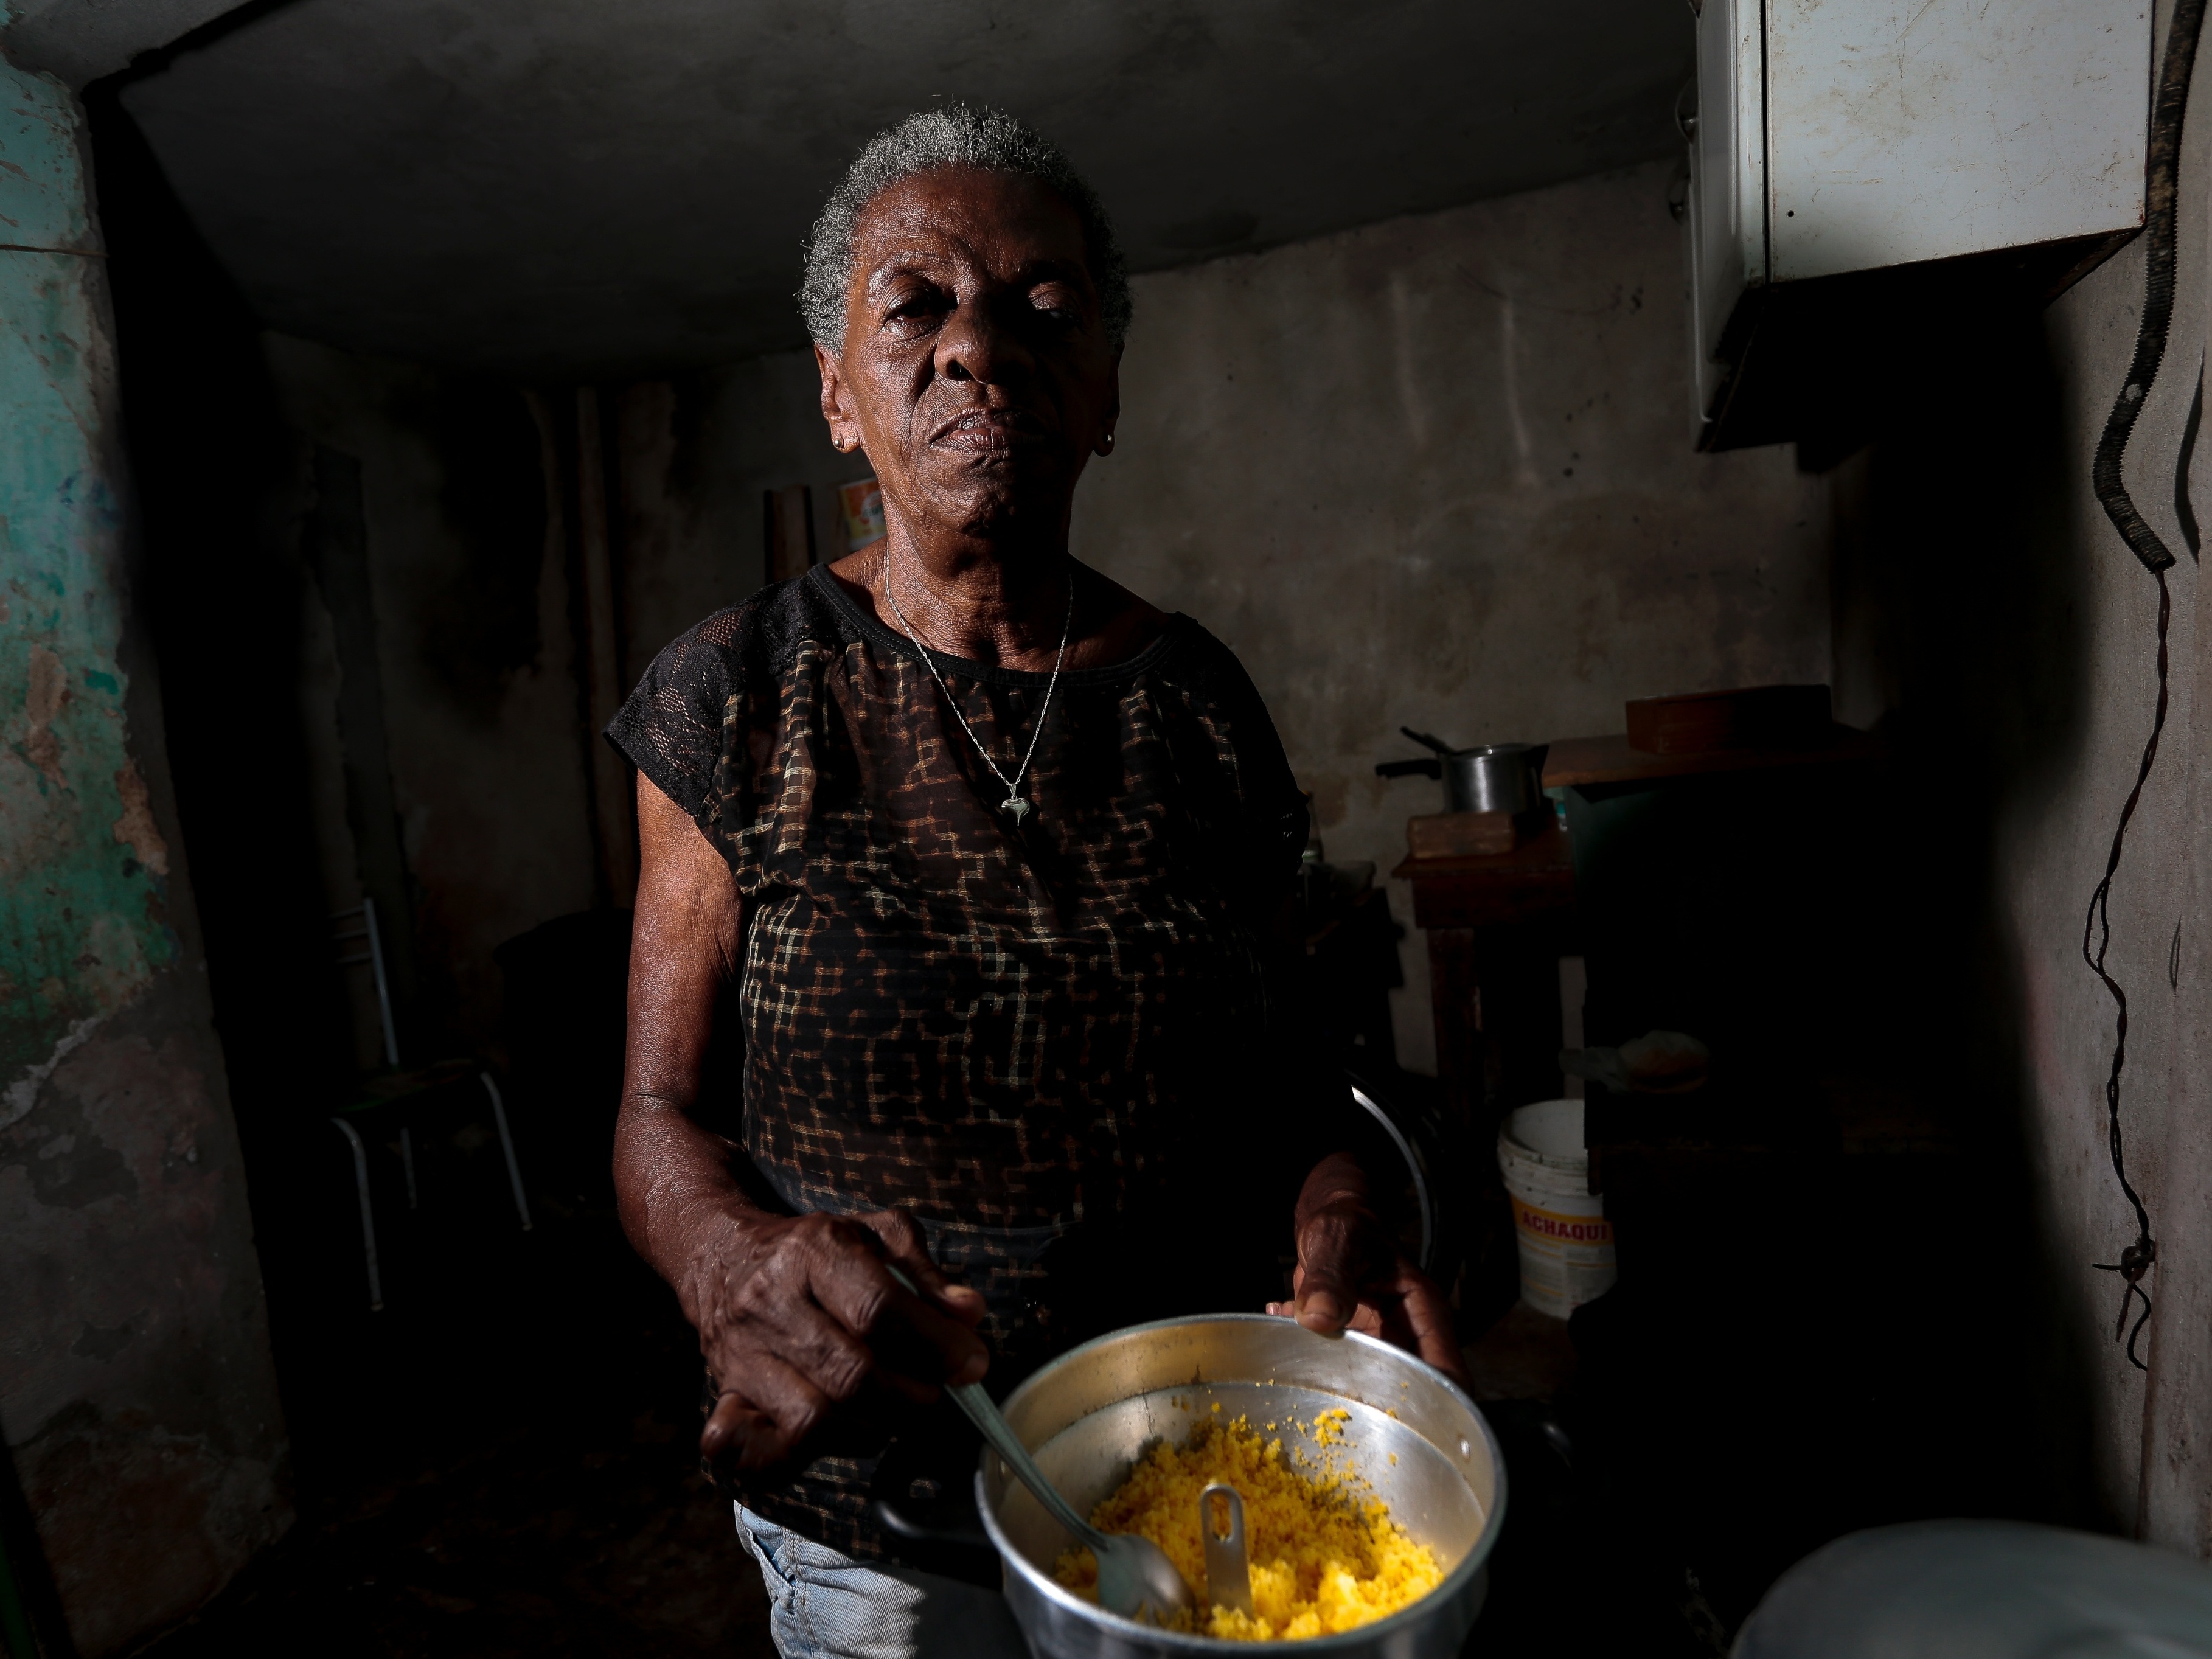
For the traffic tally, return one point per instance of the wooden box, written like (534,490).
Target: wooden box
(1756,717)
(1461,835)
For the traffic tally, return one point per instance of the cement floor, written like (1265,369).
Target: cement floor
(502,1462)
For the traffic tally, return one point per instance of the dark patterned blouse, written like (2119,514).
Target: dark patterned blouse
(1039,1038)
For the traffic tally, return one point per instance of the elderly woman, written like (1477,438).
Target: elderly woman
(984,850)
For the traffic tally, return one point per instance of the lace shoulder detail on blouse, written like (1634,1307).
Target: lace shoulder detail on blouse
(675,728)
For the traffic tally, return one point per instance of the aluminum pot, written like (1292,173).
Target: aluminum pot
(1490,777)
(1495,777)
(1087,1417)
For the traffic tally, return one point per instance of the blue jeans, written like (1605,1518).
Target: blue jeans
(823,1605)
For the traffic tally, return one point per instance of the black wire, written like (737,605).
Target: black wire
(2135,1261)
(2165,162)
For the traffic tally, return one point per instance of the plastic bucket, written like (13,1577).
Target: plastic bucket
(1566,1242)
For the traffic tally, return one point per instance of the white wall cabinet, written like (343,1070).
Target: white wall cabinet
(1857,163)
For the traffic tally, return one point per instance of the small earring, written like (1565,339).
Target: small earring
(1107,443)
(842,444)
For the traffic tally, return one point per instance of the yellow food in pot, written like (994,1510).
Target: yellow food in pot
(1324,1558)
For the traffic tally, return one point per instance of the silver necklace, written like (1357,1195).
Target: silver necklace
(1014,802)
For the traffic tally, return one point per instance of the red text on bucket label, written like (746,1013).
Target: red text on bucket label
(1567,1229)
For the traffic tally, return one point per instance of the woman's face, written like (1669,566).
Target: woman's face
(975,370)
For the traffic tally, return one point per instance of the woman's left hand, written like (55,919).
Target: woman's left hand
(1352,1275)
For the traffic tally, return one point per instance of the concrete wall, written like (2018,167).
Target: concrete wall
(1991,614)
(468,603)
(697,455)
(1435,472)
(136,1394)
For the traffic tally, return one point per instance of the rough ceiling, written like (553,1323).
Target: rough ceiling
(569,188)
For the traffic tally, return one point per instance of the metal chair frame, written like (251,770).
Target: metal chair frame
(373,959)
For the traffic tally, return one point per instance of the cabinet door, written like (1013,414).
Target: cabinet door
(1899,131)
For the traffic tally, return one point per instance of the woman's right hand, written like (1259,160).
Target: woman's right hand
(799,1314)
(796,1314)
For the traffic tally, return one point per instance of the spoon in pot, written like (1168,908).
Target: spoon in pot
(1135,1577)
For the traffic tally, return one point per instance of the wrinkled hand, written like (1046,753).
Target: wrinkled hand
(1352,1275)
(798,1316)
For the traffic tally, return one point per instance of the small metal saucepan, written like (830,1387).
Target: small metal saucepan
(1491,777)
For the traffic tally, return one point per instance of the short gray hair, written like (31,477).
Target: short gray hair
(952,135)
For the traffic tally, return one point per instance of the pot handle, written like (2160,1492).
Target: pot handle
(925,1509)
(1408,769)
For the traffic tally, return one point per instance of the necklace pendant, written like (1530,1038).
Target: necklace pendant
(1014,803)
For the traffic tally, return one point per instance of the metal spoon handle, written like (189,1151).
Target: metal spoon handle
(983,1412)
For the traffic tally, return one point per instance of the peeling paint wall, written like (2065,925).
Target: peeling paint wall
(136,1394)
(1435,472)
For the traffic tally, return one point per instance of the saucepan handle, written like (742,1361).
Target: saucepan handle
(924,1503)
(1408,769)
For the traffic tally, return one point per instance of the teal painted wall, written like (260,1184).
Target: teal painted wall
(137,1394)
(83,922)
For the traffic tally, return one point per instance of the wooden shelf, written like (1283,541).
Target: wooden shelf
(1496,928)
(1546,849)
(1536,878)
(1579,761)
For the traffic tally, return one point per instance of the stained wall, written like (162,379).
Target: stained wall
(136,1394)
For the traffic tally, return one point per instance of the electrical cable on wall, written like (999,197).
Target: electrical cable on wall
(2164,164)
